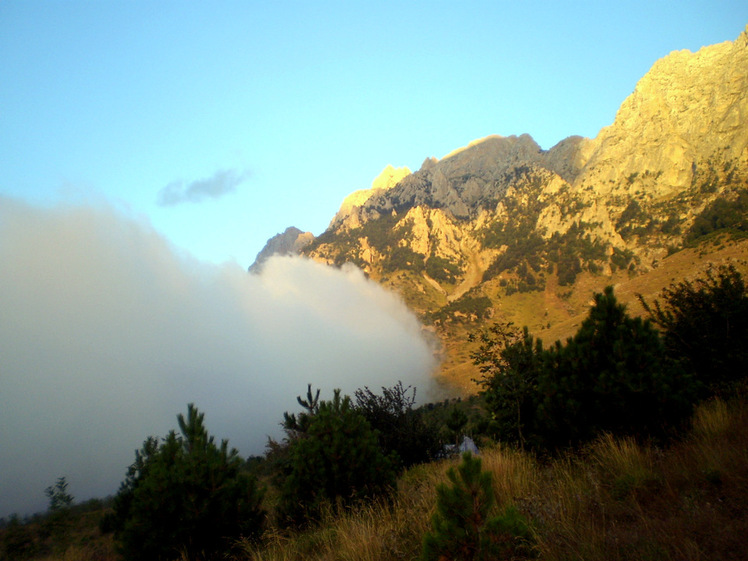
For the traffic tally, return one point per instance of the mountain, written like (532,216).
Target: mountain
(291,242)
(502,229)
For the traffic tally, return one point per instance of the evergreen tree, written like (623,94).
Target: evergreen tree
(59,498)
(705,327)
(336,458)
(508,360)
(185,496)
(401,428)
(613,375)
(463,527)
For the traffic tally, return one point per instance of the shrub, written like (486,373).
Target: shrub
(441,269)
(721,215)
(705,326)
(569,393)
(334,458)
(463,528)
(401,428)
(185,496)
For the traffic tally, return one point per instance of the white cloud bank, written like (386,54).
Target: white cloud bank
(107,333)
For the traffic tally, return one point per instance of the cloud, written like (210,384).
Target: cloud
(108,332)
(222,183)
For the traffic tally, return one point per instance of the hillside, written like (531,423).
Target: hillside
(504,230)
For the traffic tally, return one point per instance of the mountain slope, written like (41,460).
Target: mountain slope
(505,230)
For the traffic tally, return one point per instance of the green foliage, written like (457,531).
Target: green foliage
(18,541)
(379,232)
(622,259)
(403,258)
(401,428)
(613,366)
(466,308)
(59,498)
(705,326)
(185,496)
(575,251)
(463,528)
(567,394)
(722,215)
(441,269)
(455,423)
(509,362)
(336,458)
(57,523)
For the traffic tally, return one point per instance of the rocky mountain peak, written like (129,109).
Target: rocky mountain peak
(661,127)
(502,228)
(386,180)
(290,242)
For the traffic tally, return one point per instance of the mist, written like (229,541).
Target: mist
(108,331)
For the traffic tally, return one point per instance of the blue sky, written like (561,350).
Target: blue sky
(222,123)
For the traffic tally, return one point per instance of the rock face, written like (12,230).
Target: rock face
(385,181)
(688,109)
(502,227)
(291,242)
(504,211)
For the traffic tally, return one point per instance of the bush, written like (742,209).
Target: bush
(441,269)
(463,528)
(333,457)
(509,362)
(705,327)
(401,428)
(567,394)
(185,496)
(721,215)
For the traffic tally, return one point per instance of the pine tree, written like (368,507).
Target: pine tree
(185,496)
(613,376)
(705,327)
(463,528)
(336,458)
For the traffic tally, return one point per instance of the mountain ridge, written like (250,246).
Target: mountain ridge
(499,222)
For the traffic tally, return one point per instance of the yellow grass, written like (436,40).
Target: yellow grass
(615,500)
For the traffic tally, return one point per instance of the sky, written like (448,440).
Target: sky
(223,123)
(149,149)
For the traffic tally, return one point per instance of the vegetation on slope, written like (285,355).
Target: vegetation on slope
(587,446)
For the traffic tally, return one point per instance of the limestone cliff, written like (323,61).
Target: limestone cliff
(291,242)
(688,109)
(503,210)
(385,181)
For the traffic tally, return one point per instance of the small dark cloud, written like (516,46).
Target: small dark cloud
(222,183)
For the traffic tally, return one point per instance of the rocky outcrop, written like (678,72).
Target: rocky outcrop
(291,242)
(502,228)
(688,109)
(504,207)
(385,181)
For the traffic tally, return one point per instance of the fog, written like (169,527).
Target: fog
(107,332)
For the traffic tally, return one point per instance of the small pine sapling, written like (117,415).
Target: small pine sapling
(463,527)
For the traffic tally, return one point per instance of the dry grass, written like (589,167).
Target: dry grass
(615,500)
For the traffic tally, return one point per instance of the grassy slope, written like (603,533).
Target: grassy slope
(565,308)
(615,500)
